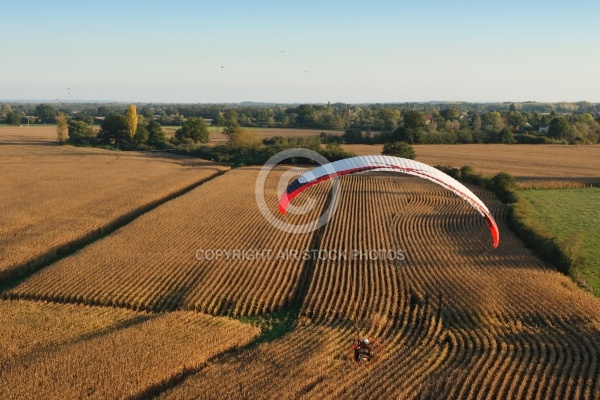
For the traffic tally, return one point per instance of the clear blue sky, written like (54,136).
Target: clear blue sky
(301,51)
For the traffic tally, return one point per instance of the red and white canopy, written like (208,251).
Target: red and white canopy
(387,163)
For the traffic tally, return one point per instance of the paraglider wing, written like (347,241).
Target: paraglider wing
(387,163)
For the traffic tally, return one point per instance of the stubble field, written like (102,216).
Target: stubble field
(532,165)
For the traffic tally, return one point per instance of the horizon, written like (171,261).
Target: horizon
(268,52)
(269,103)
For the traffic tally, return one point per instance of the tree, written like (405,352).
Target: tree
(178,119)
(353,136)
(506,136)
(304,115)
(412,129)
(399,149)
(413,120)
(231,121)
(244,120)
(464,136)
(194,128)
(332,121)
(232,127)
(245,138)
(516,119)
(559,127)
(14,118)
(141,135)
(476,123)
(451,126)
(103,111)
(62,129)
(45,113)
(88,119)
(164,119)
(492,122)
(387,118)
(5,109)
(132,120)
(148,112)
(230,116)
(80,133)
(114,130)
(219,120)
(504,186)
(156,137)
(450,114)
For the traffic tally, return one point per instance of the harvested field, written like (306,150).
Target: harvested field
(54,197)
(35,134)
(68,351)
(456,319)
(43,133)
(530,164)
(152,263)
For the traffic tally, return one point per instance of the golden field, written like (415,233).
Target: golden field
(153,263)
(136,314)
(456,318)
(69,351)
(530,164)
(54,197)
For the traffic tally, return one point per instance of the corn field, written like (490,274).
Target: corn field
(455,318)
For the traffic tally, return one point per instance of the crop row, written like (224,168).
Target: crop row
(209,250)
(55,198)
(456,318)
(69,351)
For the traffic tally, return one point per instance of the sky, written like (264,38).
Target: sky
(300,52)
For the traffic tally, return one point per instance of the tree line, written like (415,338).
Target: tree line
(127,131)
(452,126)
(372,123)
(131,131)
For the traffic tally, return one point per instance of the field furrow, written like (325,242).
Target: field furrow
(56,198)
(403,262)
(456,318)
(69,351)
(181,255)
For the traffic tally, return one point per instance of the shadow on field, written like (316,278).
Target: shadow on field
(12,277)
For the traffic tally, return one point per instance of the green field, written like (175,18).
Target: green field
(564,213)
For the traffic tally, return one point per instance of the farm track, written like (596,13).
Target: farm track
(456,319)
